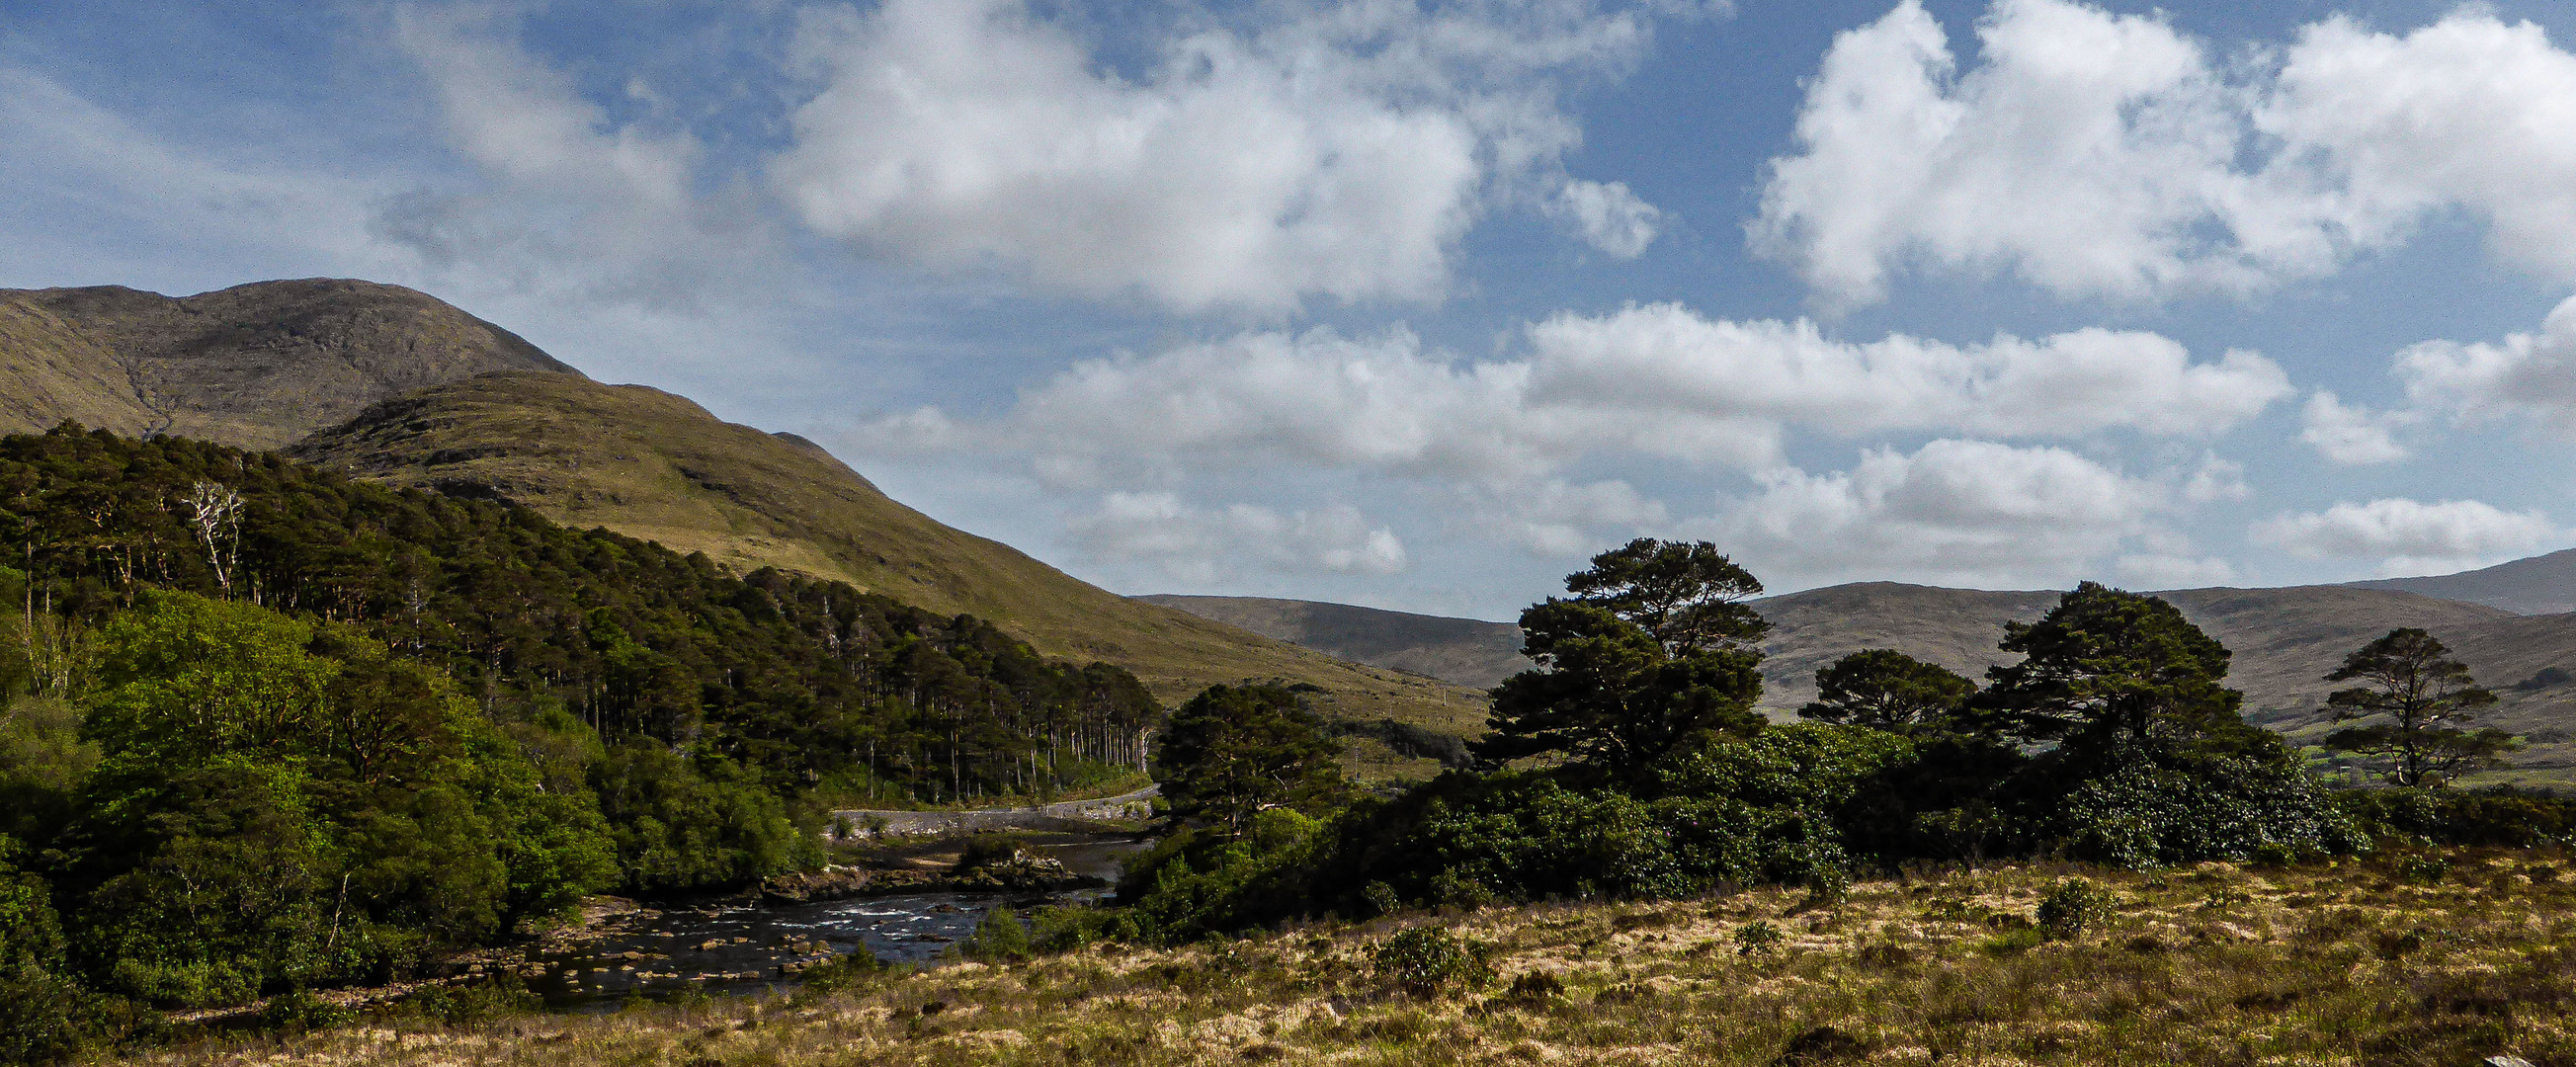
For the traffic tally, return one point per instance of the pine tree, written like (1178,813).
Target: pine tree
(2422,701)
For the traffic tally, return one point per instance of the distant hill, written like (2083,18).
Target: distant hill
(1468,652)
(253,366)
(649,464)
(2541,585)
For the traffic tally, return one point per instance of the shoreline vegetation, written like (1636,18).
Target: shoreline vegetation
(273,736)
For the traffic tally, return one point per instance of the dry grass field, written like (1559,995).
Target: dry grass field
(2398,959)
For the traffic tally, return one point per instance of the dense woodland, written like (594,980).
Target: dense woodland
(268,727)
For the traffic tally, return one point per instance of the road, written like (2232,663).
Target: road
(1123,807)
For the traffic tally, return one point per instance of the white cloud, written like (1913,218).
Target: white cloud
(1202,545)
(1766,373)
(2352,435)
(2214,480)
(573,203)
(2101,154)
(2409,536)
(1658,380)
(2528,376)
(1955,512)
(2150,571)
(1556,518)
(1339,152)
(1608,217)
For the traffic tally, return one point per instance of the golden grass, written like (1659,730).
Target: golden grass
(2347,963)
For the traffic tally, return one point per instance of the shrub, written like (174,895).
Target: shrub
(2152,809)
(999,938)
(2422,870)
(1428,961)
(1758,938)
(2073,906)
(297,1010)
(1535,986)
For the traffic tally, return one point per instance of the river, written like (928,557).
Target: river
(739,946)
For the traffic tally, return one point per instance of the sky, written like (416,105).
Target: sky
(1420,304)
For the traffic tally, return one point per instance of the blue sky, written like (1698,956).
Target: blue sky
(1419,304)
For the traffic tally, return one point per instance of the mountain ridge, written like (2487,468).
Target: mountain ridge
(255,366)
(2537,585)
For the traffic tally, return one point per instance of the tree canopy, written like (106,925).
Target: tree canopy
(2415,702)
(2107,667)
(1232,752)
(1884,689)
(1652,652)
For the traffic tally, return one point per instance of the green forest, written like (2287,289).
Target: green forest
(268,728)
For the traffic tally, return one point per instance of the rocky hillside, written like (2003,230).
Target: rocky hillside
(253,366)
(2541,585)
(1468,652)
(653,465)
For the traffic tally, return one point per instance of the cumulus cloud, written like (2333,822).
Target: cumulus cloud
(1556,518)
(2409,536)
(2100,154)
(2528,376)
(2352,435)
(1608,217)
(1658,380)
(1338,151)
(1766,372)
(1205,545)
(1954,512)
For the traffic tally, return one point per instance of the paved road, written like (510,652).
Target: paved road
(1126,806)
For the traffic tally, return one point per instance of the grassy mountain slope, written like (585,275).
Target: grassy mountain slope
(253,366)
(1469,652)
(652,465)
(2541,585)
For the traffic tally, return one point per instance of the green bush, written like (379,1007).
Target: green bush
(2497,816)
(1428,961)
(998,938)
(298,1010)
(2143,808)
(1759,938)
(2074,906)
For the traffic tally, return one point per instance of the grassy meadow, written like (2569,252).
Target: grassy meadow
(2395,959)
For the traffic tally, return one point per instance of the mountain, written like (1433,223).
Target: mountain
(1467,652)
(253,366)
(397,385)
(652,465)
(2541,585)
